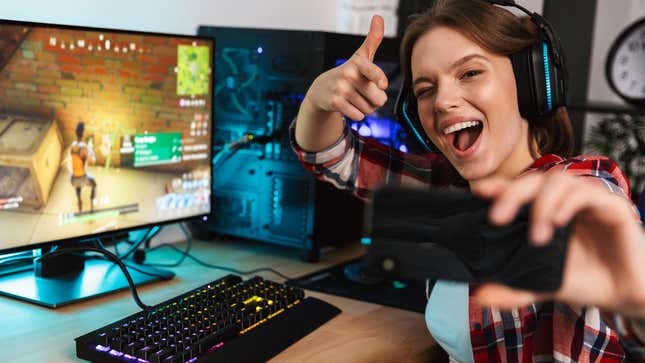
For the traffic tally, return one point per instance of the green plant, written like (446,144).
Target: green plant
(622,138)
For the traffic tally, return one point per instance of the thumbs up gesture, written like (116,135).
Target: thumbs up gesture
(357,87)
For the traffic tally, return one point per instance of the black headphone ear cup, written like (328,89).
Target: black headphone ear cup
(540,87)
(556,53)
(541,66)
(558,80)
(540,70)
(524,77)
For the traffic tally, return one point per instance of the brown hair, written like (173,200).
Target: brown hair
(498,31)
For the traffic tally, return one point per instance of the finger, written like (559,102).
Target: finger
(343,106)
(557,187)
(606,205)
(373,94)
(371,71)
(506,298)
(517,193)
(357,100)
(569,208)
(373,38)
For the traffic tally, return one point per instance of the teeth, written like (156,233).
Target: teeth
(460,126)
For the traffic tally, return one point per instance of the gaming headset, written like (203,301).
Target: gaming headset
(540,76)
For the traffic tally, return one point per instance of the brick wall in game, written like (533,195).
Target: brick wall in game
(118,84)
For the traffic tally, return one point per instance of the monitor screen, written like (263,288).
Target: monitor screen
(100,130)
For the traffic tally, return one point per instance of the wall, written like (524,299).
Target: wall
(183,16)
(532,5)
(612,17)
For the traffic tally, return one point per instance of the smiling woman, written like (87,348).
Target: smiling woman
(467,105)
(485,91)
(469,46)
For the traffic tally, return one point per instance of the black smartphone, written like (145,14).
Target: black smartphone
(445,234)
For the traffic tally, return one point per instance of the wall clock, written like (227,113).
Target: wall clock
(625,67)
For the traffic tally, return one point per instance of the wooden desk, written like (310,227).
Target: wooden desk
(362,333)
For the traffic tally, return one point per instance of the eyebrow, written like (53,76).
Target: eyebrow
(456,64)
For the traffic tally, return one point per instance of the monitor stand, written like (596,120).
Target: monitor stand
(94,277)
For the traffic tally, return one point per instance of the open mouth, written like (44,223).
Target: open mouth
(464,135)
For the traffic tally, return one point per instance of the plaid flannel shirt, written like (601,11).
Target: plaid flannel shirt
(542,332)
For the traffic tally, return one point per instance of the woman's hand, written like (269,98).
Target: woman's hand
(354,89)
(605,262)
(357,87)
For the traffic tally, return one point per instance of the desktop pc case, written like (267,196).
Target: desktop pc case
(261,191)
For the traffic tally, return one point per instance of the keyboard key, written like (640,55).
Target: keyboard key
(102,339)
(173,359)
(133,347)
(144,352)
(159,355)
(206,343)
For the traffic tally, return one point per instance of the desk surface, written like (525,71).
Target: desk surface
(364,332)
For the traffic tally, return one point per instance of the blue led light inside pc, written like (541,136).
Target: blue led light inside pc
(383,129)
(364,130)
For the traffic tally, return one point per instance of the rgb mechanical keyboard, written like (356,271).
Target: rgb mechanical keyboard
(227,320)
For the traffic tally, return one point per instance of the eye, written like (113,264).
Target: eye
(470,74)
(424,91)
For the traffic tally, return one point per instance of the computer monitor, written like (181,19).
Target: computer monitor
(101,131)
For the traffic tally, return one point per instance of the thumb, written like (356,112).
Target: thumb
(373,38)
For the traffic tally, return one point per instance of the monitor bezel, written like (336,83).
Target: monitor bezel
(63,242)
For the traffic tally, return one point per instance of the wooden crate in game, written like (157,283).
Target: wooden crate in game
(30,157)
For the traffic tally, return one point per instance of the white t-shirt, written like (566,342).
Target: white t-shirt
(447,319)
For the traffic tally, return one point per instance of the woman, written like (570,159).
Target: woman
(456,57)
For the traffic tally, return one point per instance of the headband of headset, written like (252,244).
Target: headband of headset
(540,75)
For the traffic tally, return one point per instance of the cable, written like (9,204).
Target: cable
(116,247)
(229,149)
(131,266)
(137,244)
(114,258)
(184,253)
(99,244)
(232,147)
(229,269)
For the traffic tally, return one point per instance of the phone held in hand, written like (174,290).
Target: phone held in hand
(418,234)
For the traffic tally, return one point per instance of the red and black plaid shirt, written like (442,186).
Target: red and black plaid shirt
(542,332)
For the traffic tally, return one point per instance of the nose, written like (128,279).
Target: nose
(446,98)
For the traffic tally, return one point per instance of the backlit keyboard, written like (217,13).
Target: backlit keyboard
(227,320)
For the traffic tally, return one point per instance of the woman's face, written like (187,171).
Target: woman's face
(467,103)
